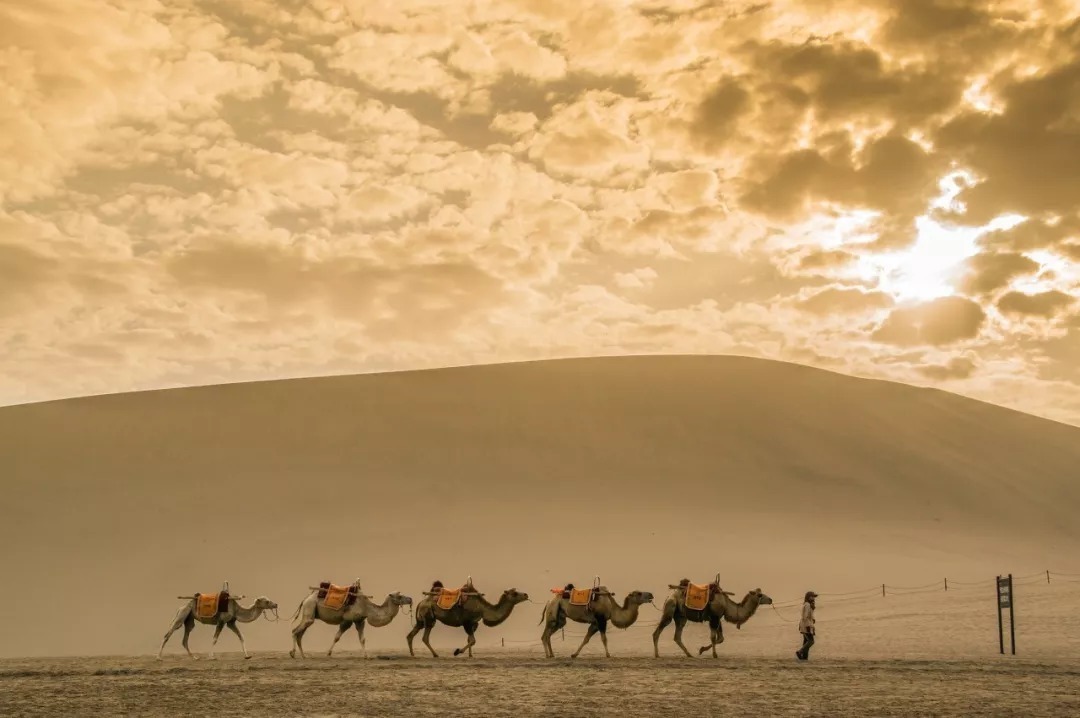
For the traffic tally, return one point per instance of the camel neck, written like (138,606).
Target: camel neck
(623,616)
(380,614)
(248,614)
(494,614)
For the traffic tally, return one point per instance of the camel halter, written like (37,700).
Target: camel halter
(780,615)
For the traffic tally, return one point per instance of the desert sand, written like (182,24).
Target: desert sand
(641,470)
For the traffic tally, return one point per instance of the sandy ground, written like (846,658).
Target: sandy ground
(523,685)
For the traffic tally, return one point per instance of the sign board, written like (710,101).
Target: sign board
(1005,600)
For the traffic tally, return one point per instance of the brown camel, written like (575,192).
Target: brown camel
(601,610)
(720,606)
(467,613)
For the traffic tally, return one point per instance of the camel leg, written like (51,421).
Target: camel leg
(603,637)
(470,631)
(716,635)
(189,624)
(545,638)
(298,637)
(217,632)
(236,629)
(664,621)
(360,632)
(680,624)
(178,620)
(412,634)
(588,636)
(602,623)
(427,635)
(421,623)
(342,627)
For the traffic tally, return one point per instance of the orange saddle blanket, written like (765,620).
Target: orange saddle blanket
(208,605)
(697,596)
(581,596)
(448,598)
(336,596)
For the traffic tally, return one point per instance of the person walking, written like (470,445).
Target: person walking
(806,626)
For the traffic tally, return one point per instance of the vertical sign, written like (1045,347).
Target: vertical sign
(1005,600)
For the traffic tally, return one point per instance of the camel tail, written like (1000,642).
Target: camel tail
(297,612)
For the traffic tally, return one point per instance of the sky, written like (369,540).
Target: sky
(204,192)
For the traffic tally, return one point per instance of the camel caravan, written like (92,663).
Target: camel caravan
(595,607)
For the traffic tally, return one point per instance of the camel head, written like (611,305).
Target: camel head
(265,604)
(515,596)
(639,597)
(758,596)
(398,599)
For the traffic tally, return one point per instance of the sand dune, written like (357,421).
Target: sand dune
(640,469)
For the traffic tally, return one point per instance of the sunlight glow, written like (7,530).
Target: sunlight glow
(978,96)
(930,268)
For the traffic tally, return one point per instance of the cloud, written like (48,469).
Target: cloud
(989,272)
(721,109)
(843,79)
(891,174)
(74,70)
(829,259)
(1023,155)
(591,140)
(352,288)
(937,323)
(638,279)
(842,300)
(23,274)
(1042,304)
(955,368)
(688,189)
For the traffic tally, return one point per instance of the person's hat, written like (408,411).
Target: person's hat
(810,594)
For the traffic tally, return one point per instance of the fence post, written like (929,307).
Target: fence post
(997,604)
(883,590)
(1012,618)
(946,584)
(1048,575)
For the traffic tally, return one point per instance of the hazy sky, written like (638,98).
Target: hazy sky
(195,192)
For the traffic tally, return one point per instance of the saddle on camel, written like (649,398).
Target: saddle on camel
(447,598)
(579,596)
(210,605)
(337,597)
(696,596)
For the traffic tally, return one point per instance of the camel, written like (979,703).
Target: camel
(468,613)
(720,606)
(601,611)
(236,613)
(359,614)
